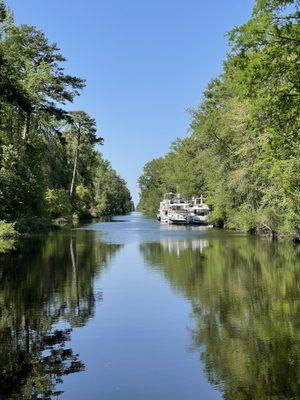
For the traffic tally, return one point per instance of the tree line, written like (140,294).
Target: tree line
(49,164)
(243,149)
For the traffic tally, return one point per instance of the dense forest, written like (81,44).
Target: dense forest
(49,165)
(243,148)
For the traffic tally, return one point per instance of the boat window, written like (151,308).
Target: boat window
(201,212)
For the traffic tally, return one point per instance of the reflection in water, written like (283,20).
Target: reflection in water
(183,228)
(177,246)
(245,298)
(246,310)
(46,289)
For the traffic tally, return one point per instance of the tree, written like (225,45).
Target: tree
(84,130)
(243,150)
(37,66)
(47,154)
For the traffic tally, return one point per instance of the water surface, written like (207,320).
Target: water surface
(132,309)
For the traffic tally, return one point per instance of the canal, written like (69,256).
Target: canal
(134,310)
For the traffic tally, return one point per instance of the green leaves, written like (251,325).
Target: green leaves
(7,230)
(111,194)
(44,148)
(245,142)
(57,203)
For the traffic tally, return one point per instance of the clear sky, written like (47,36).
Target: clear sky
(145,63)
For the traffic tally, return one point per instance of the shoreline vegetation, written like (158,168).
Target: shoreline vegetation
(50,165)
(243,148)
(11,237)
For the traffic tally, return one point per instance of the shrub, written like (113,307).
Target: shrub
(58,203)
(30,224)
(7,229)
(6,245)
(83,201)
(244,218)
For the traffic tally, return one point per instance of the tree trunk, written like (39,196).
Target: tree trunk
(26,128)
(73,183)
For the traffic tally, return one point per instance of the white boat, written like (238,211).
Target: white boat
(174,210)
(199,211)
(163,212)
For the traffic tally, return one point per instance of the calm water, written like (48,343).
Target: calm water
(134,310)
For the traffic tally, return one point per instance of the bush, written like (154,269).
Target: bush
(83,201)
(6,245)
(58,203)
(244,218)
(30,224)
(7,229)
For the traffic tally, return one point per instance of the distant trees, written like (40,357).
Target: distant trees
(243,152)
(49,166)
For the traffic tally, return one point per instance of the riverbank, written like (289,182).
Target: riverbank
(261,231)
(30,226)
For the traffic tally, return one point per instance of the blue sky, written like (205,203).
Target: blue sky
(145,63)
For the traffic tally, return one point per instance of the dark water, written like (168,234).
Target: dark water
(134,310)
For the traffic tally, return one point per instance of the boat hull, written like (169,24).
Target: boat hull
(199,222)
(177,222)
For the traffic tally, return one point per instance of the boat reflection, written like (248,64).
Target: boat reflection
(181,228)
(176,246)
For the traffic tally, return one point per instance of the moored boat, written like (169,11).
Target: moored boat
(199,211)
(178,214)
(163,212)
(174,210)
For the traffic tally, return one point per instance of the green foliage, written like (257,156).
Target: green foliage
(152,184)
(111,194)
(243,152)
(48,162)
(27,224)
(6,245)
(57,202)
(83,201)
(7,229)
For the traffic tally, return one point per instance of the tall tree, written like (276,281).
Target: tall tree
(37,66)
(244,145)
(84,130)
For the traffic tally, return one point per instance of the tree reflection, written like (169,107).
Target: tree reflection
(46,289)
(245,294)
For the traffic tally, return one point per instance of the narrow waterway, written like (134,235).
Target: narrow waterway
(135,310)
